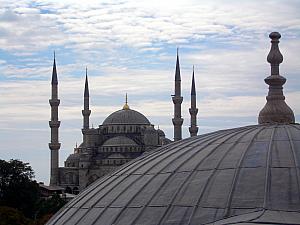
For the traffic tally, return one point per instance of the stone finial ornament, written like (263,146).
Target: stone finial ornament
(275,110)
(126,106)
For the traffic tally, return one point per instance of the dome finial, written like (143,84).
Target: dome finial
(126,106)
(276,110)
(275,57)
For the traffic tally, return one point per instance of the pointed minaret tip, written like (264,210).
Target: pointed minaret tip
(275,110)
(177,70)
(54,80)
(86,87)
(193,89)
(126,106)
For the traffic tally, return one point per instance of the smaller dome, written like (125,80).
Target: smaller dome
(73,157)
(119,141)
(161,133)
(116,156)
(126,116)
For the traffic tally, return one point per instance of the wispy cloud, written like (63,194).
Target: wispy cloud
(130,46)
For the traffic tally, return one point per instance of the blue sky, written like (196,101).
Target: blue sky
(130,46)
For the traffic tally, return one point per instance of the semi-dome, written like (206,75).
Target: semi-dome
(161,133)
(126,116)
(199,180)
(119,141)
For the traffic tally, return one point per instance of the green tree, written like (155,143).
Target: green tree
(17,189)
(50,206)
(12,216)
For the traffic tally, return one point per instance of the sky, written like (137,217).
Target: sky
(129,47)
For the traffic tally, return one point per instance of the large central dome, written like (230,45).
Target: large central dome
(126,116)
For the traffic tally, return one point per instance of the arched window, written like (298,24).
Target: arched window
(68,190)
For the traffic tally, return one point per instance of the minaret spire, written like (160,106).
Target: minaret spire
(177,100)
(54,124)
(86,112)
(54,73)
(193,129)
(275,110)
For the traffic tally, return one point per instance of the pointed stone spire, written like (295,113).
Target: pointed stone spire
(177,100)
(54,73)
(86,112)
(54,124)
(275,110)
(177,70)
(86,87)
(193,129)
(193,89)
(126,106)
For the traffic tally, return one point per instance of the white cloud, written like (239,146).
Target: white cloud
(126,46)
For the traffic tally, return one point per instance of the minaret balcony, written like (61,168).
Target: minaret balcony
(54,124)
(54,146)
(177,121)
(54,102)
(177,99)
(86,112)
(193,129)
(193,111)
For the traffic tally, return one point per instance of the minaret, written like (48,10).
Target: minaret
(54,124)
(275,110)
(86,112)
(177,100)
(193,110)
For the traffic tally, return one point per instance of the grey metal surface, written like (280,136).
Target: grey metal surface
(127,116)
(199,180)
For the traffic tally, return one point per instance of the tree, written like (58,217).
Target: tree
(12,216)
(50,205)
(17,189)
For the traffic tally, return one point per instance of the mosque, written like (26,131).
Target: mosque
(245,175)
(123,136)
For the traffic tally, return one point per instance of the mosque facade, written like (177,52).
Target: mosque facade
(124,135)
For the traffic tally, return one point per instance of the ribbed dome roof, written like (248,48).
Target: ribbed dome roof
(126,116)
(119,141)
(245,173)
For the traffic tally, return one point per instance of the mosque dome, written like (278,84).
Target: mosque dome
(246,172)
(119,141)
(126,116)
(161,133)
(247,175)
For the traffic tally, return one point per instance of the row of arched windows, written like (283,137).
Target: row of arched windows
(122,129)
(113,161)
(120,149)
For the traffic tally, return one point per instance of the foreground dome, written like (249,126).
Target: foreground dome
(245,174)
(126,116)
